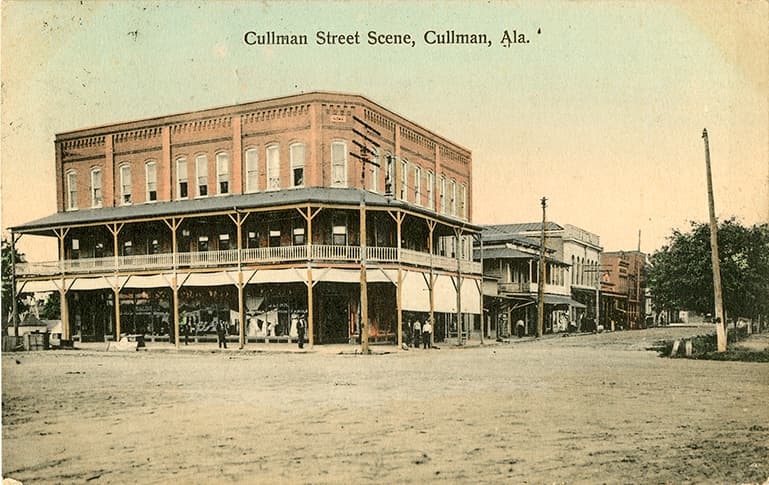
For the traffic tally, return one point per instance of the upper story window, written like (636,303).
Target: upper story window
(296,152)
(404,193)
(151,169)
(463,201)
(223,172)
(182,182)
(442,195)
(338,164)
(299,236)
(389,167)
(201,174)
(125,184)
(252,170)
(224,242)
(431,190)
(71,190)
(273,167)
(417,185)
(96,194)
(453,197)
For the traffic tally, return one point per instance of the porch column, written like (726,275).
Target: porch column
(458,235)
(15,310)
(310,313)
(308,216)
(116,293)
(399,303)
(61,233)
(175,291)
(431,227)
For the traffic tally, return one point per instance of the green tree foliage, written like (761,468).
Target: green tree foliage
(7,271)
(681,273)
(51,309)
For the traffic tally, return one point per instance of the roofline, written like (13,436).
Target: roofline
(312,96)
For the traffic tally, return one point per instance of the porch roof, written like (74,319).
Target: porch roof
(511,253)
(277,198)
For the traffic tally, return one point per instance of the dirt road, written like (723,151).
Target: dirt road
(585,409)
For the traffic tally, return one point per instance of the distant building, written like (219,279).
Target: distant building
(511,258)
(623,289)
(254,215)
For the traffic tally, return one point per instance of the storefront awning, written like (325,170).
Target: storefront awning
(562,300)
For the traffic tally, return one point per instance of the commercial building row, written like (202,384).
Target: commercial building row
(323,206)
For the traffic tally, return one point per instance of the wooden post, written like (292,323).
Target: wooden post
(399,304)
(175,290)
(310,313)
(480,291)
(457,234)
(541,282)
(14,310)
(719,307)
(364,330)
(65,329)
(431,228)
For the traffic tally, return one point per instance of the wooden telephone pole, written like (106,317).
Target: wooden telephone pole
(365,160)
(541,282)
(719,306)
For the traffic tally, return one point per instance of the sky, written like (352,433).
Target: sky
(601,111)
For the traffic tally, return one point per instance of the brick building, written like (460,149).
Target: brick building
(623,289)
(252,215)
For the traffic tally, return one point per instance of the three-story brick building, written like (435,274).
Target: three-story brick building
(258,215)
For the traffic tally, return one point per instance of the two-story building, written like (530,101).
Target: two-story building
(623,290)
(511,277)
(258,215)
(579,251)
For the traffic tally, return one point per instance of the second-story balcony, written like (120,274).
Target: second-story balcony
(251,256)
(527,287)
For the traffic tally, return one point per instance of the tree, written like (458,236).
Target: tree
(7,270)
(681,273)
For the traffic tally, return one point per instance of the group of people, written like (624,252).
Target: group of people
(418,331)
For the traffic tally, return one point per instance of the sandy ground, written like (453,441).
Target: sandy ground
(580,409)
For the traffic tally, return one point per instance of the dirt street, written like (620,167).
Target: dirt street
(581,409)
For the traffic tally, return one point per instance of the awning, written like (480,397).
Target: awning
(562,300)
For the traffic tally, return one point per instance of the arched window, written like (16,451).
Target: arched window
(296,153)
(252,170)
(338,164)
(96,193)
(431,190)
(404,193)
(201,174)
(442,195)
(151,171)
(273,167)
(71,190)
(182,182)
(223,172)
(125,184)
(417,185)
(374,179)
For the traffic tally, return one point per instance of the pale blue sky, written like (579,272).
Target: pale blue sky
(602,112)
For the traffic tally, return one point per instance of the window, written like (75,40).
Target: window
(223,172)
(128,248)
(463,202)
(252,242)
(453,197)
(431,190)
(96,198)
(273,167)
(125,184)
(389,175)
(203,243)
(573,270)
(298,236)
(275,238)
(296,152)
(71,190)
(442,195)
(417,185)
(404,193)
(98,250)
(75,253)
(201,173)
(151,168)
(224,242)
(154,247)
(339,164)
(181,179)
(340,235)
(252,170)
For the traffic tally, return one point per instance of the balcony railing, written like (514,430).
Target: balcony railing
(526,287)
(272,255)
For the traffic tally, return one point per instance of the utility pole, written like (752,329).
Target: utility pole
(15,310)
(719,310)
(541,282)
(365,160)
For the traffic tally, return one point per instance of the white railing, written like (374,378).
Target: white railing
(281,254)
(335,253)
(382,254)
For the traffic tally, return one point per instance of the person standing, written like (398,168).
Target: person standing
(221,334)
(187,324)
(427,331)
(416,333)
(301,327)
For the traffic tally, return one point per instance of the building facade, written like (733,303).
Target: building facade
(623,288)
(260,215)
(578,252)
(511,268)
